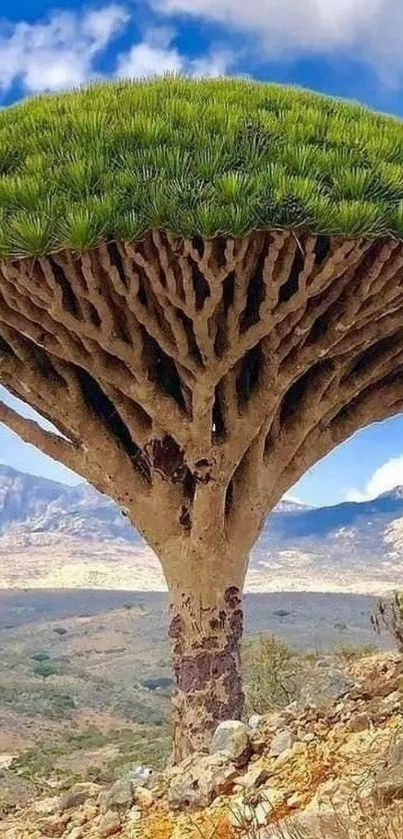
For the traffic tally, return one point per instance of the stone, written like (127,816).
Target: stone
(254,777)
(77,795)
(276,721)
(232,738)
(76,833)
(118,798)
(321,819)
(262,813)
(199,780)
(360,722)
(327,685)
(296,800)
(282,742)
(272,796)
(143,797)
(255,721)
(109,824)
(388,782)
(241,814)
(392,702)
(308,737)
(134,815)
(47,806)
(55,826)
(88,811)
(142,776)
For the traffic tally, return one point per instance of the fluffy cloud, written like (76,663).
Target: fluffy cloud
(62,51)
(370,29)
(156,54)
(57,53)
(386,477)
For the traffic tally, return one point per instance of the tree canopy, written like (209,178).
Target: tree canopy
(191,157)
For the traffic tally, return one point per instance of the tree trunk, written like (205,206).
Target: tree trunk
(206,625)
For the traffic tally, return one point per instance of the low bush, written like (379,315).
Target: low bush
(270,674)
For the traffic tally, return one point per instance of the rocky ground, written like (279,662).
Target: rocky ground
(328,767)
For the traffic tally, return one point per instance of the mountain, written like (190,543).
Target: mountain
(56,536)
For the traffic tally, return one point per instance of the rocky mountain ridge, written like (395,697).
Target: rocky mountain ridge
(53,535)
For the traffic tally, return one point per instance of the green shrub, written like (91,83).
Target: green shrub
(45,669)
(270,674)
(40,657)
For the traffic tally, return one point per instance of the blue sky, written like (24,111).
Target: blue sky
(349,48)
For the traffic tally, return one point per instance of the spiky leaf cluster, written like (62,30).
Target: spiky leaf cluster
(193,157)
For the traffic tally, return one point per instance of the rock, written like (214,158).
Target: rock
(47,806)
(388,782)
(392,702)
(109,824)
(143,797)
(276,721)
(360,722)
(241,814)
(255,721)
(327,685)
(76,833)
(326,817)
(262,813)
(55,826)
(88,811)
(232,738)
(255,776)
(134,815)
(77,795)
(198,780)
(282,741)
(296,799)
(118,798)
(142,776)
(307,737)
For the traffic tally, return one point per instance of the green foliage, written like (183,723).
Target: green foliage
(40,657)
(208,157)
(45,669)
(350,653)
(139,745)
(270,674)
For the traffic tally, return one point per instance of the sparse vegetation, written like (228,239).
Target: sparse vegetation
(349,653)
(118,751)
(270,673)
(44,669)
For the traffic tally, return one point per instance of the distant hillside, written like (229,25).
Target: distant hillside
(52,535)
(30,504)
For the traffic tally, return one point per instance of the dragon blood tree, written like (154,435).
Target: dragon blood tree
(201,288)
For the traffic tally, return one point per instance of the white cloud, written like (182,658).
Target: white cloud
(370,29)
(58,53)
(156,55)
(386,477)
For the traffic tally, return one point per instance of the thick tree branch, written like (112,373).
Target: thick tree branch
(49,443)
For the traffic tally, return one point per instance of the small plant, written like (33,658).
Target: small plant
(45,669)
(40,657)
(350,653)
(388,616)
(270,673)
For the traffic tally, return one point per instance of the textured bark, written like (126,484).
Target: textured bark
(206,663)
(195,382)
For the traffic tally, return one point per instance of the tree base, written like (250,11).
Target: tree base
(206,663)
